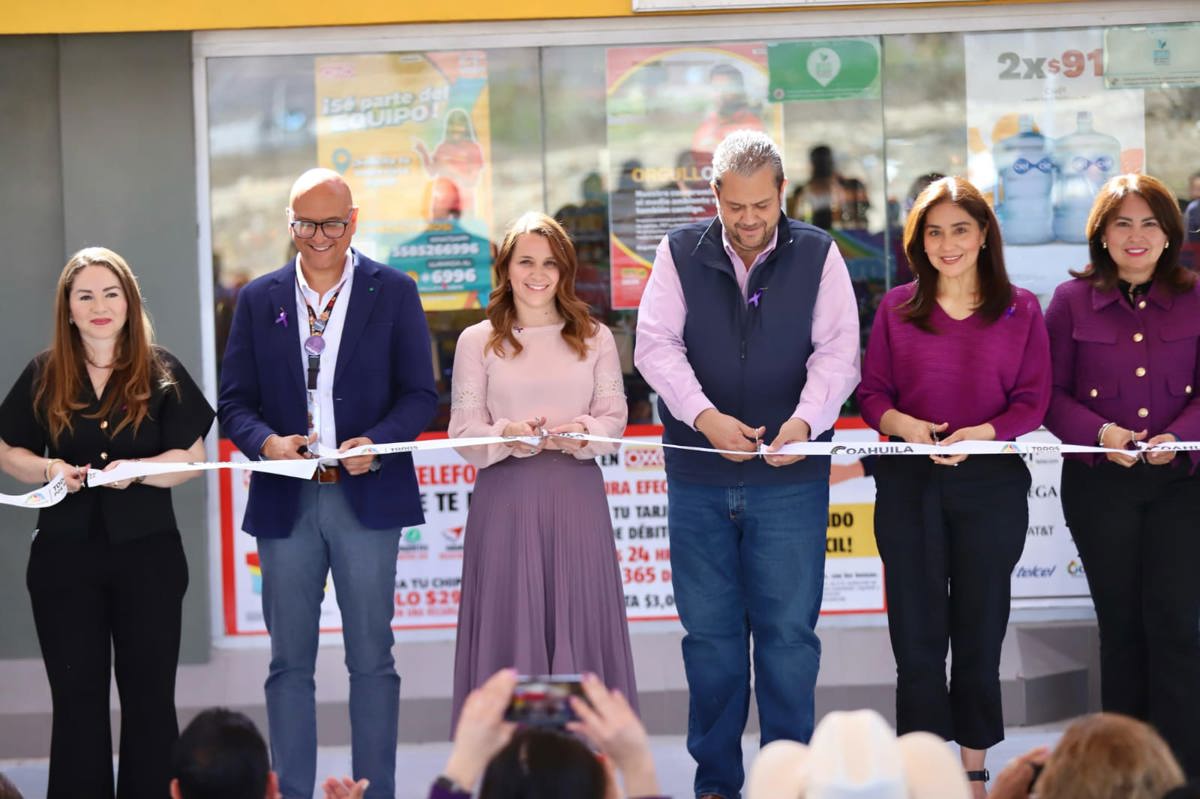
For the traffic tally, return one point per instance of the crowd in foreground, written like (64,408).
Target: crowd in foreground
(604,753)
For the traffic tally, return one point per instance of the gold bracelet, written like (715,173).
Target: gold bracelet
(49,465)
(1103,429)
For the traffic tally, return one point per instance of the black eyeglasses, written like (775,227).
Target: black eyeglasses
(334,228)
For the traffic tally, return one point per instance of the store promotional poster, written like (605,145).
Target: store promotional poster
(668,109)
(1044,134)
(410,133)
(429,563)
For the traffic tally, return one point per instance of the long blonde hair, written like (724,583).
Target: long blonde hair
(137,365)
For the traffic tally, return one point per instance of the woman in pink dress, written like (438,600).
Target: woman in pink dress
(541,585)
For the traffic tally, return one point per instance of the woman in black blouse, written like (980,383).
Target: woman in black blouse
(107,572)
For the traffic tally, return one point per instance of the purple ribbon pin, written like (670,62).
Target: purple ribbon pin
(755,298)
(282,318)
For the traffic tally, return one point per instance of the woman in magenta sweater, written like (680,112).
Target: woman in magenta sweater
(958,354)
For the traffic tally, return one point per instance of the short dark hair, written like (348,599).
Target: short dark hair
(221,755)
(541,763)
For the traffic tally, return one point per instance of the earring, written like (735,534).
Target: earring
(1165,246)
(1104,244)
(983,246)
(70,321)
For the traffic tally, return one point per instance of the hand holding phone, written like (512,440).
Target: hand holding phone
(544,701)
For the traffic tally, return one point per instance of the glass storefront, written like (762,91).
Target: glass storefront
(444,147)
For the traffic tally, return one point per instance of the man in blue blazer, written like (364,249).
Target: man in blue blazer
(330,351)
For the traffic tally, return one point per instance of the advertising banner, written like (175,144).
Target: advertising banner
(668,109)
(410,132)
(1044,133)
(429,562)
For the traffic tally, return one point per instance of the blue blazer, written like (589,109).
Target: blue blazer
(383,389)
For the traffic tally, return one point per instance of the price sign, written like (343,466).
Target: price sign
(1068,64)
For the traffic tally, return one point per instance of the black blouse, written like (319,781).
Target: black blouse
(174,421)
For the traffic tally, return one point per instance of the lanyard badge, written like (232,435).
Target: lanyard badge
(314,345)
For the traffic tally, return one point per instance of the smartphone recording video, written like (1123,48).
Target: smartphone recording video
(541,701)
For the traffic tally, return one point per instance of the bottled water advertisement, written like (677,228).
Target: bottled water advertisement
(1044,134)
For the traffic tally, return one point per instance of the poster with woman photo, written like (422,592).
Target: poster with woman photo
(668,108)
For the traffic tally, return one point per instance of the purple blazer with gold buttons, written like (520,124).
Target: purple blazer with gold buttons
(1137,366)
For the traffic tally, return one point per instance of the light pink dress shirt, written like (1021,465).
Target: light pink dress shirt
(547,378)
(833,367)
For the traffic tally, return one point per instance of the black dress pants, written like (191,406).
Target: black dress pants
(949,537)
(96,605)
(1138,534)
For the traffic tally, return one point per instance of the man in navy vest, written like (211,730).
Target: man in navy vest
(748,331)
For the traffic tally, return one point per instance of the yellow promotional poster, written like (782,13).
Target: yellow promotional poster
(410,133)
(853,570)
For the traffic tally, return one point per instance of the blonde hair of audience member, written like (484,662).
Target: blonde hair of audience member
(1109,756)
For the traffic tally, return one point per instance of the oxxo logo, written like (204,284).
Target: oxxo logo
(643,458)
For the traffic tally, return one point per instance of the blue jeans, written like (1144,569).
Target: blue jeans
(328,537)
(747,561)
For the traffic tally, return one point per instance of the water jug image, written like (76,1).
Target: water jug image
(1024,179)
(1083,161)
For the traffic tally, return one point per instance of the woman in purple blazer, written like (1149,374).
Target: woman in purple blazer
(958,354)
(1125,346)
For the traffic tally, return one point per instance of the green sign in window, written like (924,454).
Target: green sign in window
(828,69)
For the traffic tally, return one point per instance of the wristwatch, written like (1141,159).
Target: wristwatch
(447,784)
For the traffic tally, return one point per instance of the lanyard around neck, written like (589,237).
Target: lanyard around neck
(314,345)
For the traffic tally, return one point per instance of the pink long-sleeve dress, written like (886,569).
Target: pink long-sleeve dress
(541,585)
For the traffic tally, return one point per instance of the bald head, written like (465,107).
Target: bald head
(322,219)
(324,180)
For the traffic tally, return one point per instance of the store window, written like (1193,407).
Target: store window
(444,148)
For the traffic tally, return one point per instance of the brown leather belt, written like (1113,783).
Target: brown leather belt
(327,475)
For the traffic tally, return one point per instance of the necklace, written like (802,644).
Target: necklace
(97,365)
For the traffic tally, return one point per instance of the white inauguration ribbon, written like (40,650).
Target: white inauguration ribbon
(303,469)
(50,494)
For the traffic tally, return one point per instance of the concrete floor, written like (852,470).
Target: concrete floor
(418,764)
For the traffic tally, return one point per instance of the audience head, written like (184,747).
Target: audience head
(1109,756)
(8,790)
(542,762)
(856,755)
(221,755)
